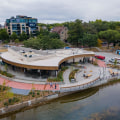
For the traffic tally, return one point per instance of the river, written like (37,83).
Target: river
(100,103)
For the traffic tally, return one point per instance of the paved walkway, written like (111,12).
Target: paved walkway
(101,63)
(27,86)
(88,69)
(66,76)
(95,71)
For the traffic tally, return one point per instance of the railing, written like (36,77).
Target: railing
(79,87)
(89,84)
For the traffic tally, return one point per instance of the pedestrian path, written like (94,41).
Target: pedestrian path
(27,86)
(101,63)
(66,76)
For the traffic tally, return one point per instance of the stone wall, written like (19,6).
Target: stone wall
(13,108)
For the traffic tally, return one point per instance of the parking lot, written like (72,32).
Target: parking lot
(108,56)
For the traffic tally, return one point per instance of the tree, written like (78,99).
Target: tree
(100,25)
(54,35)
(90,40)
(45,42)
(17,41)
(4,35)
(111,36)
(56,43)
(99,44)
(14,36)
(75,32)
(23,36)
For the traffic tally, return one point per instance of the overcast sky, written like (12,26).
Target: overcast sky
(51,11)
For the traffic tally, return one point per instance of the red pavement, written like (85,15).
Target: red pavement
(27,86)
(101,63)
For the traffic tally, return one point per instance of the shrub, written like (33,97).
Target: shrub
(15,99)
(6,74)
(10,100)
(30,93)
(4,88)
(33,95)
(5,103)
(72,74)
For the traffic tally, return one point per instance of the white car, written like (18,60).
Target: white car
(114,59)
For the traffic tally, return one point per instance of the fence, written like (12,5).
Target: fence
(79,87)
(89,84)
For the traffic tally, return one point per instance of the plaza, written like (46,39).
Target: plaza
(31,66)
(44,63)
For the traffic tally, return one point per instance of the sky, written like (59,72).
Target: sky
(58,11)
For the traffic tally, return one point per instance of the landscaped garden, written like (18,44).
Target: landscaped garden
(9,98)
(72,74)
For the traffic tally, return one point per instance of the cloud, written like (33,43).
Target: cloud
(60,11)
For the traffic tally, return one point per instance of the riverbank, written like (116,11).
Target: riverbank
(6,111)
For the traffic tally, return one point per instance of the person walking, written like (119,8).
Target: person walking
(51,85)
(55,86)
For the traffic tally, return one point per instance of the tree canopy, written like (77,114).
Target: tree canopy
(111,36)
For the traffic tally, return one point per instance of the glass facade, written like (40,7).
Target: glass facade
(29,23)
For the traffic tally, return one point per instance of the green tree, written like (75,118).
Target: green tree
(75,32)
(17,41)
(56,43)
(111,36)
(23,36)
(45,42)
(90,40)
(14,36)
(54,35)
(100,25)
(4,35)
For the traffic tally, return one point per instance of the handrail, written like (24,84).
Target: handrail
(82,84)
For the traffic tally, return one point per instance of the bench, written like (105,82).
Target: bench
(111,72)
(88,75)
(115,73)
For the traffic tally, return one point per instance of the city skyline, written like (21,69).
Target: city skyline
(51,11)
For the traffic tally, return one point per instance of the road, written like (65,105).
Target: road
(107,55)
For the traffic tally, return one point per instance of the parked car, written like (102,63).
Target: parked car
(115,59)
(100,57)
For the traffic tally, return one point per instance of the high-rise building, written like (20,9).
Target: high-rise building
(21,24)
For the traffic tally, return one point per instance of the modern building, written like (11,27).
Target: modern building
(44,62)
(62,31)
(21,24)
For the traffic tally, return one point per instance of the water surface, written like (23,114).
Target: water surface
(101,103)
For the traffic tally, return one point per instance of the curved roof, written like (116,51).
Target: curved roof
(45,60)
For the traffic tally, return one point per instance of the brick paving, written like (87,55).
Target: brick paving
(27,86)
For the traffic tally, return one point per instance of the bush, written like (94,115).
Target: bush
(10,100)
(72,74)
(15,99)
(64,68)
(4,88)
(6,74)
(5,103)
(38,93)
(33,95)
(30,93)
